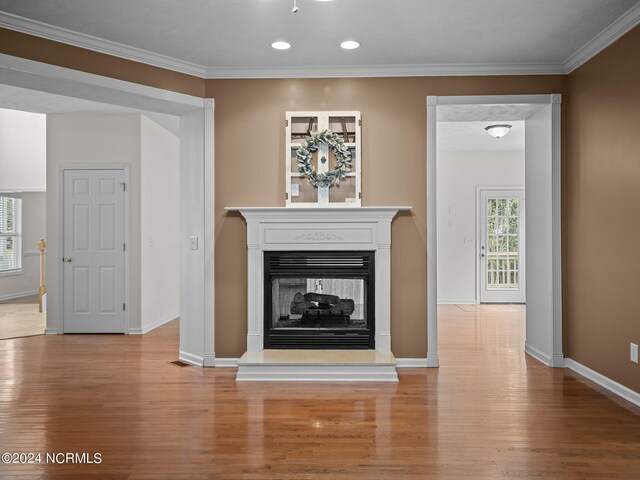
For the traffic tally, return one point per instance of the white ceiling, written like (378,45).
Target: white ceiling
(15,98)
(465,136)
(218,38)
(462,127)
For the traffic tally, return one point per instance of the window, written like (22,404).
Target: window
(10,234)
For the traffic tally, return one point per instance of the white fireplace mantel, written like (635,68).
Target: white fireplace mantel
(318,229)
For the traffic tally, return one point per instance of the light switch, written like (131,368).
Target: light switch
(194,243)
(295,189)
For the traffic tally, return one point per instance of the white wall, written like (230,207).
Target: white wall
(22,151)
(33,229)
(91,139)
(459,173)
(160,225)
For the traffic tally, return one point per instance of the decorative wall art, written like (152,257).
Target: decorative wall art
(323,159)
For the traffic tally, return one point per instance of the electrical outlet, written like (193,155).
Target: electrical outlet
(194,243)
(634,353)
(295,189)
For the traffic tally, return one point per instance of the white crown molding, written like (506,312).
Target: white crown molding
(82,40)
(624,24)
(611,385)
(613,32)
(425,70)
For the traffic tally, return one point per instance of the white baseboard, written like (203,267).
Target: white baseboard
(432,360)
(537,354)
(605,382)
(227,362)
(11,296)
(51,331)
(462,301)
(411,363)
(186,357)
(154,325)
(209,360)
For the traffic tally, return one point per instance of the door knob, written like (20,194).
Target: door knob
(67,259)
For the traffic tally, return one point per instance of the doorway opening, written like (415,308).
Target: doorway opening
(485,244)
(22,222)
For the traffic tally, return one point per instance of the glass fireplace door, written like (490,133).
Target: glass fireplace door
(319,300)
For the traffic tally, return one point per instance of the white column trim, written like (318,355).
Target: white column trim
(209,233)
(557,359)
(432,237)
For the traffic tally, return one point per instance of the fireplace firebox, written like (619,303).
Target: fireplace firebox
(319,300)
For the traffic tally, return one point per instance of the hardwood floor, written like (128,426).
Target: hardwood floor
(20,317)
(488,412)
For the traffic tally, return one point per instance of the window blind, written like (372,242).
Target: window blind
(10,233)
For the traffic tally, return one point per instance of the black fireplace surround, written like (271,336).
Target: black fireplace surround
(319,300)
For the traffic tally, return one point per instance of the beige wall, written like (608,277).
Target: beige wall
(602,227)
(250,172)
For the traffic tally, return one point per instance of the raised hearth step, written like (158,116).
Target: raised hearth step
(318,365)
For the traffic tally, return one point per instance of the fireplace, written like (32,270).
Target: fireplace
(330,231)
(319,300)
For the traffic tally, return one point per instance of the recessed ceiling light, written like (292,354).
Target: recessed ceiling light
(280,45)
(349,45)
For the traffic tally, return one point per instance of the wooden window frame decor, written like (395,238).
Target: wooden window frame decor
(333,156)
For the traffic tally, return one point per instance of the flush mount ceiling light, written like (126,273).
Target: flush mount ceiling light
(498,131)
(280,45)
(349,45)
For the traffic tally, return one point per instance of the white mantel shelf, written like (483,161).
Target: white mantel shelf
(318,229)
(287,213)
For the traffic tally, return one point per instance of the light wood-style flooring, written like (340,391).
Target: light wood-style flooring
(20,318)
(488,412)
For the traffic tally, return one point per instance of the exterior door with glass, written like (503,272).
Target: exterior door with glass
(501,245)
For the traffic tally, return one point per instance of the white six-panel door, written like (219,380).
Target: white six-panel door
(94,251)
(501,255)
